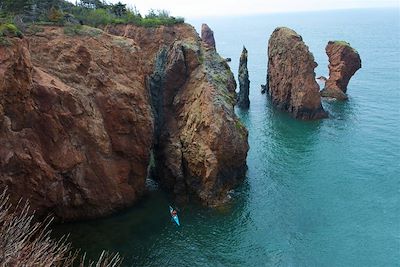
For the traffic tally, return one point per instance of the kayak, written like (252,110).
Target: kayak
(174,217)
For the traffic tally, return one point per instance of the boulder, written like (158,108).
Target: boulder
(263,88)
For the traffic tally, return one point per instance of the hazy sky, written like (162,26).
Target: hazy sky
(200,8)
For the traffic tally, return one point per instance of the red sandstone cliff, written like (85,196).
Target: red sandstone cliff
(207,35)
(291,78)
(80,115)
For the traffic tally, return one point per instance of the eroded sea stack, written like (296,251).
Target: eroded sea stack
(291,78)
(344,61)
(81,114)
(207,35)
(244,82)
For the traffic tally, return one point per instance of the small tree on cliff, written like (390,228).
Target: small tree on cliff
(119,9)
(15,7)
(55,15)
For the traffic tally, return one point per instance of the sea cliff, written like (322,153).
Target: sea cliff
(83,109)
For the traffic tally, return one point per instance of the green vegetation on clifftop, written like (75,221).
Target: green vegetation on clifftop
(8,30)
(88,12)
(343,43)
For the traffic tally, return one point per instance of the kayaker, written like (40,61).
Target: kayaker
(174,212)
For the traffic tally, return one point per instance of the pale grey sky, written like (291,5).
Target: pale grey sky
(201,8)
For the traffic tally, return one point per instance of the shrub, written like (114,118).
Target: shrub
(157,21)
(33,29)
(95,17)
(93,13)
(55,15)
(26,243)
(4,41)
(82,30)
(9,30)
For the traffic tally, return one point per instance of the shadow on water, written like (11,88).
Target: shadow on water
(145,236)
(292,135)
(243,114)
(145,220)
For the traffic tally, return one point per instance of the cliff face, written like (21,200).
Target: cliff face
(344,61)
(207,35)
(80,115)
(291,78)
(244,82)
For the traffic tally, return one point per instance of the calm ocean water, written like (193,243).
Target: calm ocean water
(323,193)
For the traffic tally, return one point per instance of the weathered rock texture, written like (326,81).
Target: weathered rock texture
(291,78)
(207,35)
(244,82)
(344,61)
(80,115)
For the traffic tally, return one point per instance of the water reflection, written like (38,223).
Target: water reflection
(292,135)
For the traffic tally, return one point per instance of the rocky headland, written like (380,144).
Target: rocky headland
(344,61)
(291,80)
(82,111)
(244,82)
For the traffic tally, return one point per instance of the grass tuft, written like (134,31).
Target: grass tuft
(8,30)
(82,30)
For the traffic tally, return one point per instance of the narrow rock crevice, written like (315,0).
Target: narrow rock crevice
(169,76)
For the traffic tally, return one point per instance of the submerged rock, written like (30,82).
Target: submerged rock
(344,61)
(80,115)
(244,83)
(207,35)
(321,80)
(263,88)
(291,80)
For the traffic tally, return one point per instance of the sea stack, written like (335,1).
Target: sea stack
(244,82)
(291,80)
(207,35)
(344,61)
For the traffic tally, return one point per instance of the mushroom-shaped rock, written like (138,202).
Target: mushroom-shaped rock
(291,80)
(344,61)
(207,35)
(244,83)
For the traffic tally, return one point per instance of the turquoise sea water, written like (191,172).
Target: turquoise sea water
(322,193)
